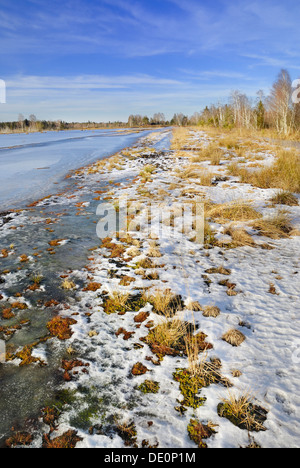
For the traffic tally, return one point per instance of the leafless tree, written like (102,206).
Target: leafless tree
(280,103)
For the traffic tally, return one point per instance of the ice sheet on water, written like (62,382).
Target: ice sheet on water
(31,165)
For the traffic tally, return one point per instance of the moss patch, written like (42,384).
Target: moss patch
(19,439)
(66,441)
(128,433)
(139,369)
(149,386)
(134,303)
(60,327)
(190,387)
(198,431)
(93,287)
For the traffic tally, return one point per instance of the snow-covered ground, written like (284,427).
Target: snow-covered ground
(265,308)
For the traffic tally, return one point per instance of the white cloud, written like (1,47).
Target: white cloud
(86,82)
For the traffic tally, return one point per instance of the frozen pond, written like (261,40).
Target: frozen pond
(32,165)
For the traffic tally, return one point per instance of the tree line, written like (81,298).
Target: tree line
(280,110)
(32,124)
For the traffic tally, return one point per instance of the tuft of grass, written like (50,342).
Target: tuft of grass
(133,252)
(153,251)
(278,226)
(167,333)
(234,337)
(211,311)
(118,299)
(205,178)
(285,198)
(161,300)
(147,172)
(242,412)
(188,172)
(164,302)
(240,237)
(67,284)
(37,278)
(145,263)
(287,170)
(236,211)
(212,153)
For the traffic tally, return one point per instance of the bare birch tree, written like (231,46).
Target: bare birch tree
(280,104)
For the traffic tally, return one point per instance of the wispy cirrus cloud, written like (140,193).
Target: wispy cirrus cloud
(264,60)
(209,74)
(87,82)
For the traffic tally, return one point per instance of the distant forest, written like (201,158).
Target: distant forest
(280,111)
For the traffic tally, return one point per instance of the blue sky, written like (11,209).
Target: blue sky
(106,59)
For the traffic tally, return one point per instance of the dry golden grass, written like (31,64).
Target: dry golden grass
(192,351)
(195,306)
(242,412)
(277,226)
(180,138)
(285,198)
(236,373)
(118,299)
(153,251)
(146,263)
(133,252)
(149,169)
(205,178)
(212,153)
(230,142)
(233,211)
(67,284)
(191,192)
(168,332)
(205,371)
(283,174)
(234,337)
(211,311)
(216,158)
(235,169)
(192,171)
(188,172)
(147,173)
(161,300)
(163,193)
(240,237)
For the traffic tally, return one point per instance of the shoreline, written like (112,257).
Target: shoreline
(120,129)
